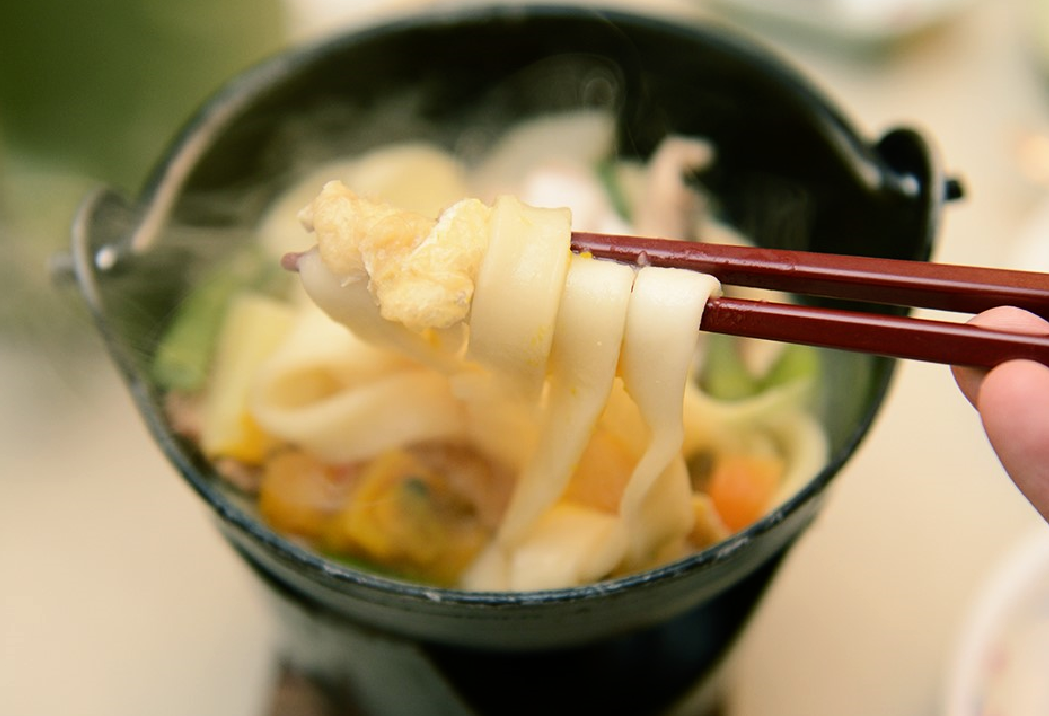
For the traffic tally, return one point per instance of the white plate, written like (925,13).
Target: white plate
(1001,667)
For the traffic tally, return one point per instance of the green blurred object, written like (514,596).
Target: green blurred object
(724,374)
(102,86)
(794,363)
(91,93)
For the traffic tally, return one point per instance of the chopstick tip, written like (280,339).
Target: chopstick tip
(290,261)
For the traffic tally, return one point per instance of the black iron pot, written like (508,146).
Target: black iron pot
(790,172)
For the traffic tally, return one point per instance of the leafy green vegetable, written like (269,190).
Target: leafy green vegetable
(725,376)
(794,363)
(184,353)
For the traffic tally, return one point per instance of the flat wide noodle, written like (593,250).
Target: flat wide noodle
(582,366)
(498,422)
(569,546)
(345,400)
(658,349)
(518,291)
(804,443)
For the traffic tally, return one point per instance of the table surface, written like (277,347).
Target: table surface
(118,598)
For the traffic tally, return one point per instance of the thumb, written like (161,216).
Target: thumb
(1013,401)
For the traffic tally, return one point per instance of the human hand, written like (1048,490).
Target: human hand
(1013,402)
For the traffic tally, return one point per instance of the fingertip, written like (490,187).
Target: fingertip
(969,381)
(1013,401)
(1012,319)
(1001,318)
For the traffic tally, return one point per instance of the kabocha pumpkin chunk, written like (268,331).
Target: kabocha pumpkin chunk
(404,515)
(300,495)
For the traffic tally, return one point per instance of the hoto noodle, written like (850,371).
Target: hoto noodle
(451,395)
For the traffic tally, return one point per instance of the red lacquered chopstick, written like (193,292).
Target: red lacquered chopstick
(885,281)
(920,284)
(894,336)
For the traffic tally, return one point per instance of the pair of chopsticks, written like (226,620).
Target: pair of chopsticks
(894,282)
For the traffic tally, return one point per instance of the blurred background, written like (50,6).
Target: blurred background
(117,597)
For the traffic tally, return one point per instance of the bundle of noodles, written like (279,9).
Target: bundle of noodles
(543,331)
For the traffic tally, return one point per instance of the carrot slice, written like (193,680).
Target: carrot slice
(742,487)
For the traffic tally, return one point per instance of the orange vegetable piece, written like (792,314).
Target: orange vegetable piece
(742,487)
(408,518)
(602,474)
(384,521)
(299,495)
